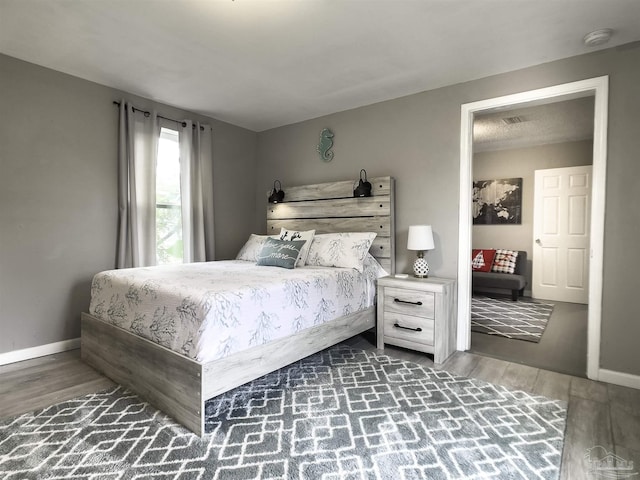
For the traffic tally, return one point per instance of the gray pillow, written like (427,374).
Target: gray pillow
(280,253)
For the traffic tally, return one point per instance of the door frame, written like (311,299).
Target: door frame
(599,87)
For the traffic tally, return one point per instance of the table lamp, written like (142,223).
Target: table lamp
(420,239)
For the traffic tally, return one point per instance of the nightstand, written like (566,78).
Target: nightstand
(417,313)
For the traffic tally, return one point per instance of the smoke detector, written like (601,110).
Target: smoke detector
(597,37)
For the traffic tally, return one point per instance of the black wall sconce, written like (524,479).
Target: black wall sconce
(276,195)
(364,187)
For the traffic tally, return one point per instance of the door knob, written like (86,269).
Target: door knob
(538,241)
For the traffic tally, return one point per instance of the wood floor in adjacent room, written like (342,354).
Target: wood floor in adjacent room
(562,348)
(599,413)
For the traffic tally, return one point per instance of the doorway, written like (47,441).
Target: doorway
(597,87)
(545,157)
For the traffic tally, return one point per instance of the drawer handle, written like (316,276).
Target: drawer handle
(397,300)
(397,325)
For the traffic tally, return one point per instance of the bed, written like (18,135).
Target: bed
(178,378)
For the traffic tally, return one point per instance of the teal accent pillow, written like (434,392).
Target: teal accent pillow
(280,253)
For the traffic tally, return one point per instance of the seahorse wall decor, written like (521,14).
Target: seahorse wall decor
(324,147)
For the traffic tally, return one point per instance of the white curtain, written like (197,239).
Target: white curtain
(196,191)
(137,151)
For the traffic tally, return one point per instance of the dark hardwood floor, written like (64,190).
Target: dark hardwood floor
(598,413)
(562,348)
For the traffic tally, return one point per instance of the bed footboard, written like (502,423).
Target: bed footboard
(178,385)
(169,381)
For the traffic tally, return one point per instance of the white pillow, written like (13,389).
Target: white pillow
(252,247)
(290,235)
(346,250)
(372,268)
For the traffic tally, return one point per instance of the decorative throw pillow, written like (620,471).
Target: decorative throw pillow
(346,250)
(290,235)
(280,253)
(505,261)
(482,260)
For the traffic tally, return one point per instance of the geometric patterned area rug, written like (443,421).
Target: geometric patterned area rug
(524,319)
(340,414)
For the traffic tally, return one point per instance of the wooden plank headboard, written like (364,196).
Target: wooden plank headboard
(331,207)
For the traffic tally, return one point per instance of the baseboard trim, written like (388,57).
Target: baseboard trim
(39,351)
(619,378)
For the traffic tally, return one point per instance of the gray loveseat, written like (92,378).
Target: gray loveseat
(511,281)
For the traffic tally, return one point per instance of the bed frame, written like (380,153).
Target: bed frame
(178,385)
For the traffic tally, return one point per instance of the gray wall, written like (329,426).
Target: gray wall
(522,163)
(416,139)
(58,205)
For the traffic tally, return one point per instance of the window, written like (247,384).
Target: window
(168,202)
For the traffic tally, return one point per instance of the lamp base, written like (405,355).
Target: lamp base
(420,267)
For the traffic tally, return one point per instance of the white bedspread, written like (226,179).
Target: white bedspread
(210,310)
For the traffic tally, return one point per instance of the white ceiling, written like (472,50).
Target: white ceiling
(266,63)
(560,121)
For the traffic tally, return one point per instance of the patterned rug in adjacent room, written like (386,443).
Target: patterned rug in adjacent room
(340,414)
(524,319)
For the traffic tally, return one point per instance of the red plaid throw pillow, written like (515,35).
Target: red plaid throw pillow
(481,260)
(505,261)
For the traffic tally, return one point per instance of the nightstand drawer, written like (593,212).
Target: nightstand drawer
(408,328)
(409,302)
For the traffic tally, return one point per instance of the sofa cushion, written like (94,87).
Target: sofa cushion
(505,261)
(482,259)
(498,280)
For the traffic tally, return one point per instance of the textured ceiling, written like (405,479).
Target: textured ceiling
(265,63)
(563,121)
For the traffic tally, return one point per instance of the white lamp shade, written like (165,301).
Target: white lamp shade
(420,237)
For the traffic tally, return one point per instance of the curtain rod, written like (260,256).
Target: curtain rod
(146,114)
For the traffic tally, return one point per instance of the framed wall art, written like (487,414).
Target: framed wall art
(497,202)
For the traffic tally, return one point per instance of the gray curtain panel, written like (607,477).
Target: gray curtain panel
(137,152)
(196,191)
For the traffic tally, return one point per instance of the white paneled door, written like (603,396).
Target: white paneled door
(561,223)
